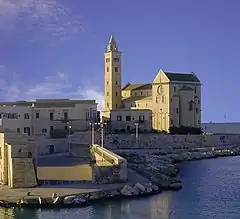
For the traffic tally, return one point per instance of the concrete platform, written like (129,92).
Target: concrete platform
(44,191)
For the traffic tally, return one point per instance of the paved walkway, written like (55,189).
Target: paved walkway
(63,190)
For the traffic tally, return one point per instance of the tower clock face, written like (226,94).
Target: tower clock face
(160,89)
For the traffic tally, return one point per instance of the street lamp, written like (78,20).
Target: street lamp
(93,131)
(136,124)
(69,140)
(102,124)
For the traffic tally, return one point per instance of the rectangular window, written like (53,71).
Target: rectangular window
(107,59)
(128,118)
(119,118)
(141,93)
(107,82)
(107,69)
(141,118)
(107,105)
(107,93)
(198,101)
(116,106)
(116,94)
(116,69)
(116,59)
(44,131)
(66,128)
(196,110)
(177,110)
(37,115)
(174,89)
(26,116)
(195,90)
(116,83)
(51,116)
(18,130)
(65,115)
(135,93)
(198,122)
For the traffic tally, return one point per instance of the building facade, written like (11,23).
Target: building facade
(47,116)
(127,120)
(173,98)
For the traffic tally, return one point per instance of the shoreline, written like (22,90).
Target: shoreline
(160,170)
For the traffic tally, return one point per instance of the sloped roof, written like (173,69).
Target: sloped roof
(185,87)
(130,86)
(188,77)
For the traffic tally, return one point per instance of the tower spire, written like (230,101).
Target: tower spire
(112,45)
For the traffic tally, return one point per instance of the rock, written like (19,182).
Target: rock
(175,186)
(114,193)
(148,190)
(155,188)
(140,187)
(127,190)
(94,196)
(69,199)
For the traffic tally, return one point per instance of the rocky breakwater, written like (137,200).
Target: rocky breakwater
(158,168)
(83,199)
(161,169)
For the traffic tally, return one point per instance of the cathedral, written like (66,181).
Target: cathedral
(173,98)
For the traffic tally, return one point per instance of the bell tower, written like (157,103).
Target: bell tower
(112,76)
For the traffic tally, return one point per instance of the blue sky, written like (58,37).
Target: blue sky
(54,48)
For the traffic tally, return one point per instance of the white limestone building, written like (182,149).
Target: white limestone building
(47,116)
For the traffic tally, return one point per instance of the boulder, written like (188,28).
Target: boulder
(114,193)
(127,190)
(155,188)
(94,196)
(148,190)
(139,187)
(175,186)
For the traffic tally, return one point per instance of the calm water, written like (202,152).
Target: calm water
(211,190)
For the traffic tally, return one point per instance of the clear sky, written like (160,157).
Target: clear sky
(54,48)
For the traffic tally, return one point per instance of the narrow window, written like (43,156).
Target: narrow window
(37,115)
(51,116)
(116,69)
(107,69)
(128,118)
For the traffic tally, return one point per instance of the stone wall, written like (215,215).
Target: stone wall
(23,173)
(17,168)
(162,141)
(108,167)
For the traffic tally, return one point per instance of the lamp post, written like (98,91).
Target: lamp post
(69,140)
(136,124)
(92,131)
(102,124)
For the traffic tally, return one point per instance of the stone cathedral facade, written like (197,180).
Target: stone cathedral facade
(174,98)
